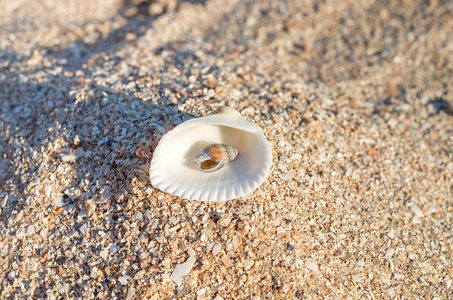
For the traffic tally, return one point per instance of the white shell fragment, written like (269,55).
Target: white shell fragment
(182,270)
(174,165)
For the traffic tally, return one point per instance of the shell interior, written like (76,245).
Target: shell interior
(187,148)
(211,165)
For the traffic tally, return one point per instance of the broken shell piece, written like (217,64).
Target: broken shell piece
(182,270)
(173,169)
(214,157)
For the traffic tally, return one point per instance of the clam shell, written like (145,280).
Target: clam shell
(173,170)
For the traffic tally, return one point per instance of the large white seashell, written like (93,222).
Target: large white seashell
(173,170)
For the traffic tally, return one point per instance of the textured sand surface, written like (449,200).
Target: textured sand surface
(355,96)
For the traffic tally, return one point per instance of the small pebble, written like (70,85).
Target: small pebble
(288,176)
(124,279)
(182,291)
(104,254)
(11,275)
(216,249)
(69,158)
(105,197)
(311,265)
(201,292)
(113,249)
(236,241)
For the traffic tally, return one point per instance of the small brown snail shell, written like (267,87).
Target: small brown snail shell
(215,156)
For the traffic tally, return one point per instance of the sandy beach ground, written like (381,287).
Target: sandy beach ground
(355,96)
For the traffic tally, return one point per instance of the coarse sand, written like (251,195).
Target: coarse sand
(356,98)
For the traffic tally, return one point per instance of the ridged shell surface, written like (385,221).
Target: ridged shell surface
(173,170)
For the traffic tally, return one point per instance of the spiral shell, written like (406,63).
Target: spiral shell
(173,169)
(215,156)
